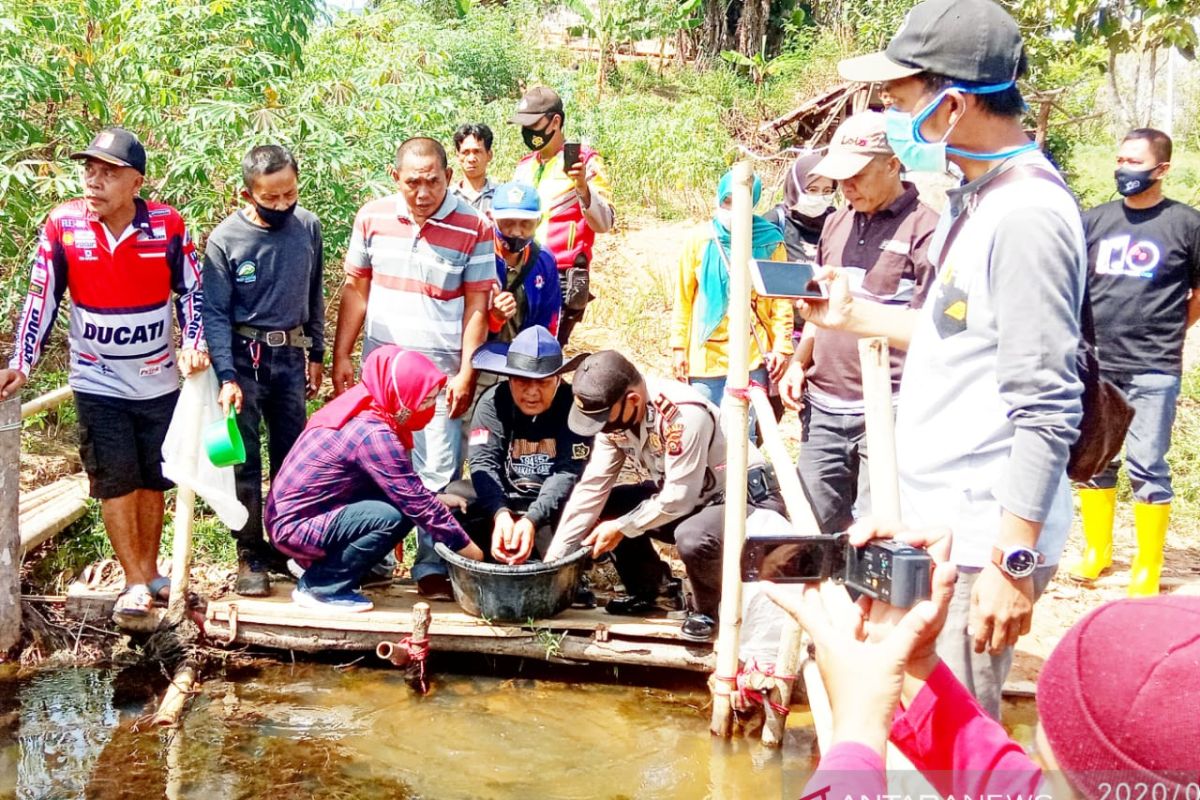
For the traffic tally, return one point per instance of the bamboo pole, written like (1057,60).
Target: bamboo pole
(181,546)
(798,508)
(10,528)
(874,357)
(50,521)
(176,696)
(47,401)
(787,662)
(737,450)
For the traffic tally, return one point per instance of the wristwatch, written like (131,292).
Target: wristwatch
(1017,562)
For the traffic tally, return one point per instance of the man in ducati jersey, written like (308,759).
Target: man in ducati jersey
(122,258)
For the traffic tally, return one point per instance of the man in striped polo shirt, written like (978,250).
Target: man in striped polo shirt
(420,271)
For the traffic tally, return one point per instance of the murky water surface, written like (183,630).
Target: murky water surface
(311,730)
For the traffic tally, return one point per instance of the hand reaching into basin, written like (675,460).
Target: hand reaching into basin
(472,552)
(512,542)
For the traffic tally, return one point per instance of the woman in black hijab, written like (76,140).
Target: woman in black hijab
(807,202)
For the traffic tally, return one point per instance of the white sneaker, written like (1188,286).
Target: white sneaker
(345,602)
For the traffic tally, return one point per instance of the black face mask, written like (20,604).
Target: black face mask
(535,139)
(513,244)
(620,423)
(1134,181)
(274,218)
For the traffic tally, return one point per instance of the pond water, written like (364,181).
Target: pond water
(314,730)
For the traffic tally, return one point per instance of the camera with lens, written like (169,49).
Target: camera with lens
(895,573)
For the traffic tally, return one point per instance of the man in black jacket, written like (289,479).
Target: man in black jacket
(524,459)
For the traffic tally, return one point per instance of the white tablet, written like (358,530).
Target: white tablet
(786,279)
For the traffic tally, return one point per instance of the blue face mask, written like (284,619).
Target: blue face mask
(920,155)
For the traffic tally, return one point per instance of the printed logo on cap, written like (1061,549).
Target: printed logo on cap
(105,139)
(515,194)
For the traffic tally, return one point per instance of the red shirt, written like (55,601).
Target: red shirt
(120,330)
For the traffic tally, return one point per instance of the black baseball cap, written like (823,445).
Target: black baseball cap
(535,104)
(974,41)
(116,146)
(600,383)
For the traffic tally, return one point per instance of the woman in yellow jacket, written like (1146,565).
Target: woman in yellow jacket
(700,316)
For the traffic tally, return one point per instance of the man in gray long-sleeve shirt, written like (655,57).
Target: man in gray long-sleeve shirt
(989,403)
(265,262)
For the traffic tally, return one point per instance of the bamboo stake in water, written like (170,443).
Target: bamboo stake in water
(737,449)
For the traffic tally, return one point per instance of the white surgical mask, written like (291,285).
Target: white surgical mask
(724,217)
(813,205)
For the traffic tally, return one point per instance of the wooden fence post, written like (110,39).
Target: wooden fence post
(10,526)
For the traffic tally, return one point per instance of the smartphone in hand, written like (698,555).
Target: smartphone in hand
(570,154)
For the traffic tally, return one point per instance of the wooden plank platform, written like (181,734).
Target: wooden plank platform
(574,636)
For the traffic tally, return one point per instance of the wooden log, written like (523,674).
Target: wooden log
(177,694)
(47,401)
(873,354)
(10,530)
(818,704)
(562,648)
(53,518)
(736,449)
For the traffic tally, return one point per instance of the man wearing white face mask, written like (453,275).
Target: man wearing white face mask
(990,400)
(881,240)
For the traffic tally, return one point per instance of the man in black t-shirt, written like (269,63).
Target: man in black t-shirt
(1144,253)
(524,459)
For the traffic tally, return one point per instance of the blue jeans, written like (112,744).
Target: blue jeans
(357,539)
(1153,396)
(713,390)
(833,467)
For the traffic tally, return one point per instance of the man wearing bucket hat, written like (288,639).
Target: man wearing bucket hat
(880,238)
(989,404)
(672,434)
(123,258)
(523,457)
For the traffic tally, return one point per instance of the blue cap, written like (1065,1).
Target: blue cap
(515,200)
(534,353)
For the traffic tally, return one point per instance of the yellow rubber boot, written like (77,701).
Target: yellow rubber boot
(1150,524)
(1097,507)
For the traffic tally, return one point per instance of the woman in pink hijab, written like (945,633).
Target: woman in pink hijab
(347,492)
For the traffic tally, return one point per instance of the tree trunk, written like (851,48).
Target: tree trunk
(714,31)
(10,529)
(752,27)
(1148,117)
(1114,86)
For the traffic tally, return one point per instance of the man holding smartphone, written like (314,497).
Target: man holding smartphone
(880,239)
(574,192)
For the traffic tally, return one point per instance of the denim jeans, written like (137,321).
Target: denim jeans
(833,467)
(275,393)
(437,457)
(357,539)
(713,390)
(1153,396)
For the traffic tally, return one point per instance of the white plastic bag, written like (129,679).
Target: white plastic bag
(762,620)
(184,459)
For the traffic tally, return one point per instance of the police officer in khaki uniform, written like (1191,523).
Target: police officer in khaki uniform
(671,436)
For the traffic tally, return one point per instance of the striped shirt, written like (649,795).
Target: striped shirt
(420,275)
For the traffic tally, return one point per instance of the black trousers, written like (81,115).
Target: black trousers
(699,536)
(274,393)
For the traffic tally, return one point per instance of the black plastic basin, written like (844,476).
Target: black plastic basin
(503,593)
